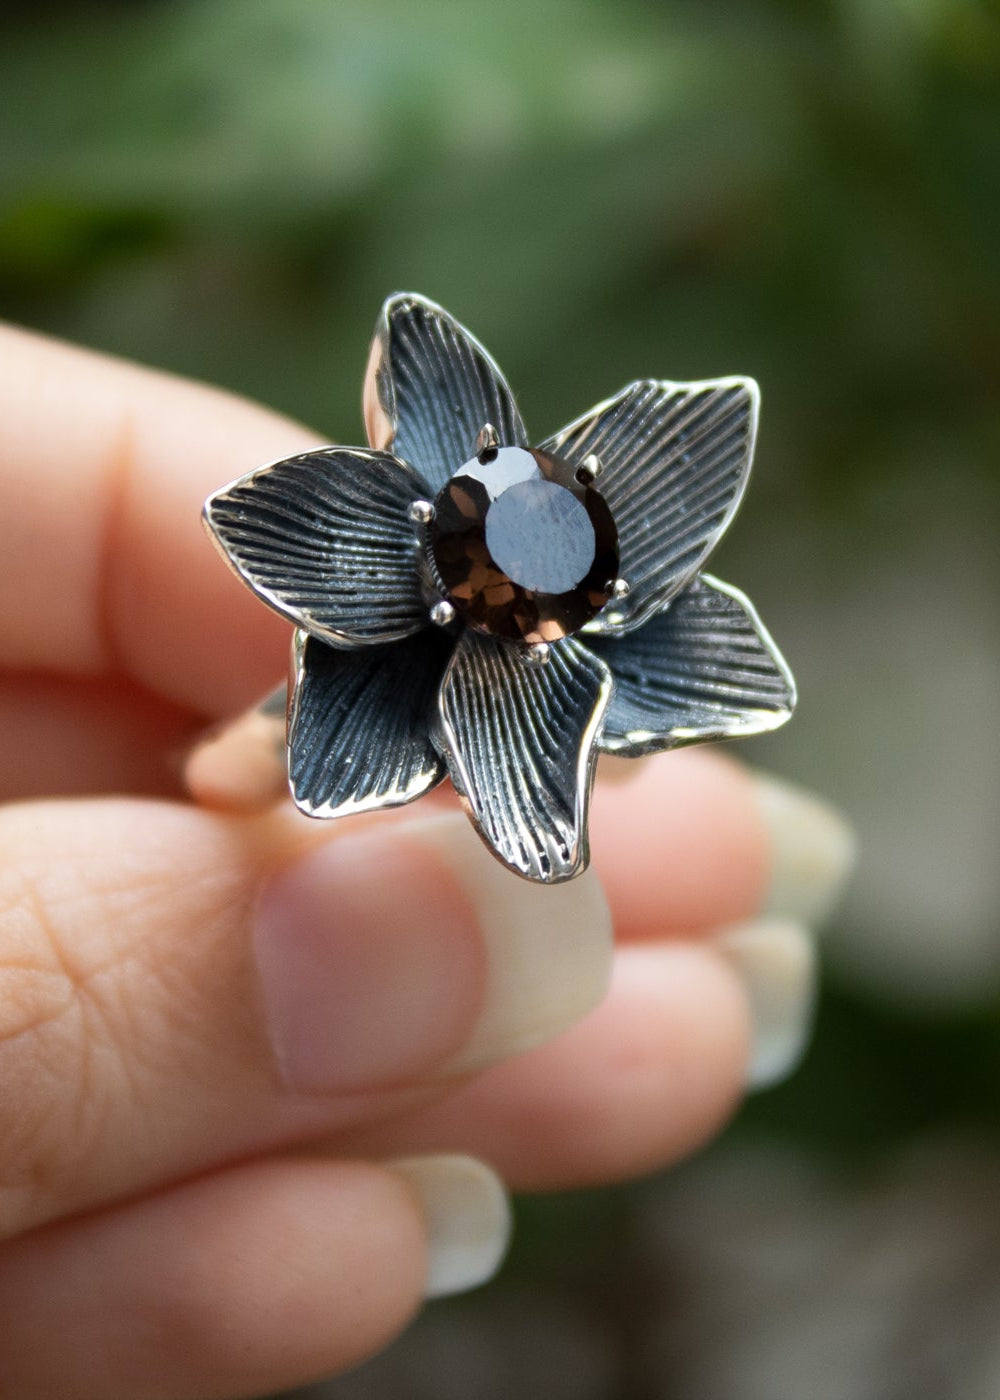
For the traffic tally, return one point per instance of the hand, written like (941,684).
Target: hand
(247,1061)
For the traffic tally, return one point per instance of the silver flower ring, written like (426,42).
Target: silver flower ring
(469,606)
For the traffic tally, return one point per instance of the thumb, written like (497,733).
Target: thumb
(179,990)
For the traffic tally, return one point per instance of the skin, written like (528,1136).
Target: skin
(173,1220)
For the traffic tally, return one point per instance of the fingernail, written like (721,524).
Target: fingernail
(467,1216)
(775,959)
(548,947)
(812,851)
(386,956)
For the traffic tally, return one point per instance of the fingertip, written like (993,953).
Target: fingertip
(645,1079)
(813,849)
(467,1218)
(119,572)
(682,847)
(777,964)
(674,1038)
(259,1278)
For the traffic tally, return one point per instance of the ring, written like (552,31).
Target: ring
(467,605)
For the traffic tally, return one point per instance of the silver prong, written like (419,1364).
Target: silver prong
(538,653)
(589,469)
(617,587)
(442,613)
(488,439)
(421,512)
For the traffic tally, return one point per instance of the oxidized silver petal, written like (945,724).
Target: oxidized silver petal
(359,724)
(520,742)
(430,388)
(704,668)
(674,464)
(324,539)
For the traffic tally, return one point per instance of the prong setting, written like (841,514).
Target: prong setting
(487,442)
(421,512)
(538,654)
(618,588)
(589,469)
(442,613)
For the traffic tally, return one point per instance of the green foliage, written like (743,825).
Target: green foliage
(231,187)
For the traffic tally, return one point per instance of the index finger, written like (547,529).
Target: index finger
(106,569)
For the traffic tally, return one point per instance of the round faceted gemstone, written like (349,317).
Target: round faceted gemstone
(522,548)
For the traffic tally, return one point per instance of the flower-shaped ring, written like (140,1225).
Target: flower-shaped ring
(467,605)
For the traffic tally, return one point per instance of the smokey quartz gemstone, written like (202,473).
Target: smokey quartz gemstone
(522,548)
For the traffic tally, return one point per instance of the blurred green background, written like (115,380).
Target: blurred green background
(805,192)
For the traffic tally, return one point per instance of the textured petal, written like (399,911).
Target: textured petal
(674,464)
(325,540)
(520,743)
(705,668)
(430,387)
(359,721)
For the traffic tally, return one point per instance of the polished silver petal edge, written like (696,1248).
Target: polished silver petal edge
(674,461)
(430,388)
(359,724)
(324,539)
(704,668)
(520,741)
